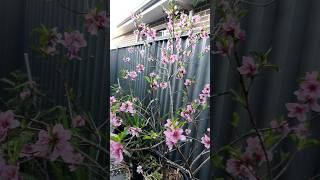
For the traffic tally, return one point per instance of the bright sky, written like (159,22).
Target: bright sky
(119,10)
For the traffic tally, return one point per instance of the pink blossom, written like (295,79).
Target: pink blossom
(297,111)
(54,144)
(169,124)
(173,58)
(134,131)
(239,169)
(187,131)
(248,68)
(112,100)
(9,172)
(96,20)
(238,33)
(187,82)
(53,38)
(164,56)
(60,140)
(132,74)
(127,107)
(116,150)
(202,99)
(302,131)
(73,41)
(163,85)
(126,59)
(154,85)
(152,74)
(204,34)
(206,90)
(181,72)
(224,48)
(7,122)
(311,85)
(140,68)
(254,151)
(205,140)
(115,121)
(207,49)
(25,94)
(78,121)
(196,18)
(281,128)
(186,113)
(230,24)
(74,161)
(173,136)
(41,147)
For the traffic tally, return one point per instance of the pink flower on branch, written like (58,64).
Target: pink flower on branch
(115,121)
(7,122)
(205,140)
(134,131)
(302,131)
(78,121)
(54,145)
(53,38)
(73,41)
(163,85)
(116,151)
(96,20)
(112,100)
(181,72)
(173,136)
(187,82)
(248,68)
(297,110)
(140,68)
(239,169)
(127,107)
(132,74)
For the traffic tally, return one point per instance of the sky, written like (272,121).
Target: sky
(119,10)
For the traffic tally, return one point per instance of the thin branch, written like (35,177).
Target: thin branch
(286,166)
(62,5)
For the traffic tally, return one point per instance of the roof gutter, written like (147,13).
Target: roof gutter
(151,12)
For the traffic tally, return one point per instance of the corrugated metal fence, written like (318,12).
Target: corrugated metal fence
(88,76)
(291,28)
(199,69)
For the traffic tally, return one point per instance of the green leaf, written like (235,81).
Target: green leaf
(272,139)
(306,143)
(146,137)
(235,119)
(115,138)
(284,156)
(217,161)
(8,81)
(239,98)
(271,66)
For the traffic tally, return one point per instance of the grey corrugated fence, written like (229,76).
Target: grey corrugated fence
(291,28)
(88,77)
(198,68)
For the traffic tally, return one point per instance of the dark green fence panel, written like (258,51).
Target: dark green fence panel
(88,76)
